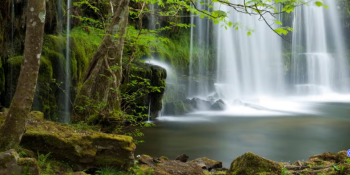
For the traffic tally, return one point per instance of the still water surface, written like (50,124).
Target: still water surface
(279,136)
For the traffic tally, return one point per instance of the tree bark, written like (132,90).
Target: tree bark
(101,83)
(14,127)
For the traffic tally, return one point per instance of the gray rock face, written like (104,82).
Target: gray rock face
(218,105)
(11,163)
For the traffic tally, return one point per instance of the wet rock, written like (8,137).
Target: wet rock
(326,156)
(83,149)
(182,157)
(163,158)
(176,108)
(208,164)
(324,159)
(341,156)
(173,167)
(146,159)
(250,163)
(10,163)
(199,104)
(219,105)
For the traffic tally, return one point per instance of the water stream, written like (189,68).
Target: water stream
(67,105)
(199,63)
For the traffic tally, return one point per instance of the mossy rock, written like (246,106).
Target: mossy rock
(251,164)
(11,163)
(156,76)
(81,149)
(341,156)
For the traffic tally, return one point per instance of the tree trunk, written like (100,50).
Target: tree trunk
(99,93)
(14,127)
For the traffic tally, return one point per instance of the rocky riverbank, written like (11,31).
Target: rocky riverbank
(55,148)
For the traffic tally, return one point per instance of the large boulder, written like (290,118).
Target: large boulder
(11,163)
(249,164)
(82,149)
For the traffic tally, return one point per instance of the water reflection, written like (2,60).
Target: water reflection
(280,138)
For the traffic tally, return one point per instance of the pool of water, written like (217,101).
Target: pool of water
(275,135)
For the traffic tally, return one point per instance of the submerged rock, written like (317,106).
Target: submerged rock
(249,164)
(218,105)
(82,149)
(10,163)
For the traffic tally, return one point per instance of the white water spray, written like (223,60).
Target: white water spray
(248,67)
(319,64)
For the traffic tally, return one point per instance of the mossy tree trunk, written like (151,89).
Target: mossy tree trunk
(99,93)
(14,127)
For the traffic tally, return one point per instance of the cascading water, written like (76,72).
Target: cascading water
(66,118)
(60,16)
(152,18)
(149,111)
(199,62)
(319,65)
(248,67)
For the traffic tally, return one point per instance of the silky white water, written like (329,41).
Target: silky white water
(248,67)
(319,67)
(199,62)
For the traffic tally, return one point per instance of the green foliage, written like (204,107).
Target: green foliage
(42,158)
(285,171)
(44,166)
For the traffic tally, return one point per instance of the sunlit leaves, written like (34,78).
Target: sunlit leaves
(283,30)
(318,3)
(278,22)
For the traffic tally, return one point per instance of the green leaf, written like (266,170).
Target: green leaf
(278,22)
(318,3)
(281,31)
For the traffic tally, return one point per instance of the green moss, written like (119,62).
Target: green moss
(66,143)
(250,164)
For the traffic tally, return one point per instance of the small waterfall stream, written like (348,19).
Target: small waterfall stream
(66,118)
(199,64)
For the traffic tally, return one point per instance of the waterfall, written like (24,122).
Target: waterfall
(66,118)
(60,16)
(248,67)
(319,64)
(149,111)
(199,62)
(152,17)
